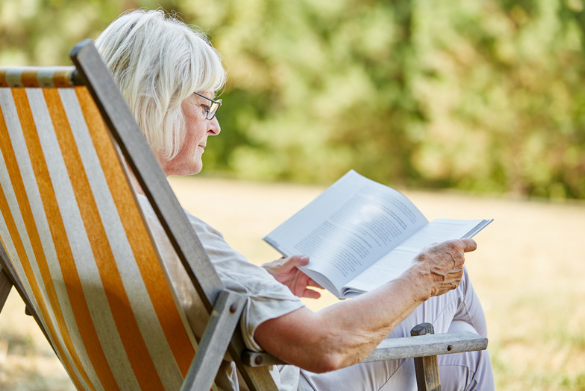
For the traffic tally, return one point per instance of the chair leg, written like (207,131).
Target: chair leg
(5,287)
(427,368)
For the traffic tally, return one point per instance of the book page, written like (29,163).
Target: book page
(386,269)
(348,228)
(440,230)
(399,260)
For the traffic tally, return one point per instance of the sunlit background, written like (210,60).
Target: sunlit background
(482,99)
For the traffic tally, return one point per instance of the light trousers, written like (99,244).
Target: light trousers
(457,310)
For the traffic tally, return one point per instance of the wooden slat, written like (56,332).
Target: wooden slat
(427,345)
(220,328)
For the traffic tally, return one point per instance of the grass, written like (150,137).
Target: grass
(528,272)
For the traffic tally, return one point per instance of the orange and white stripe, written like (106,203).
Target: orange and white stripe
(46,77)
(76,237)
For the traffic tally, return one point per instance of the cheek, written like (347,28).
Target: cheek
(199,134)
(195,136)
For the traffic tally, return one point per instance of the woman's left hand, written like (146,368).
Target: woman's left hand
(285,271)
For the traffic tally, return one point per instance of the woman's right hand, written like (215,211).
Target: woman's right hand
(440,266)
(286,271)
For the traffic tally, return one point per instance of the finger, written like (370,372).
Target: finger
(458,258)
(464,245)
(297,260)
(311,294)
(313,283)
(451,282)
(454,274)
(469,245)
(457,248)
(293,261)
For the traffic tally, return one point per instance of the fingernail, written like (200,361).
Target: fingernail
(304,258)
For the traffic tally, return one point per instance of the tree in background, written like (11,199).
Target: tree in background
(480,95)
(503,96)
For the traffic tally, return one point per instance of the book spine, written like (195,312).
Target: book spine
(477,228)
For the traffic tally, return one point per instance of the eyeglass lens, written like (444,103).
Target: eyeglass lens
(213,110)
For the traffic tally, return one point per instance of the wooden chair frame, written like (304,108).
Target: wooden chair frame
(225,307)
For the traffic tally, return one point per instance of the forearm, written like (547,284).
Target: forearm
(363,322)
(346,332)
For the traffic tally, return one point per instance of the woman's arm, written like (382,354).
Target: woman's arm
(345,333)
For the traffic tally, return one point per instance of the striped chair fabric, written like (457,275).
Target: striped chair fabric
(77,240)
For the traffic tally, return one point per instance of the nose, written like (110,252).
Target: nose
(214,127)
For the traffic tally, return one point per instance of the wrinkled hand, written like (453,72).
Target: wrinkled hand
(285,271)
(441,265)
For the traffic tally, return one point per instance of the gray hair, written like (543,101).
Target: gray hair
(157,62)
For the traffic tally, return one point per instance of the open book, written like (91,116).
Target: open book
(359,234)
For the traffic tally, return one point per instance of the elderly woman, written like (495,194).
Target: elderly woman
(169,75)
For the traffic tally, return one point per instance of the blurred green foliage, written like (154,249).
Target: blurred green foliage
(481,95)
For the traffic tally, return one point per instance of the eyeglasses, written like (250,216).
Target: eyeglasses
(210,111)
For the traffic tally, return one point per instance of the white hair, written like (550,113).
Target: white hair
(157,62)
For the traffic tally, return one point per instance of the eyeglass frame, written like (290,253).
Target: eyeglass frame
(216,102)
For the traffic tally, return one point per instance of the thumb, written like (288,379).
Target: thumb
(469,245)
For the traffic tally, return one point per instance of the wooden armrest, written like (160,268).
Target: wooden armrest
(396,348)
(427,345)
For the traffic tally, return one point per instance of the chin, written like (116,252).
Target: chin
(197,169)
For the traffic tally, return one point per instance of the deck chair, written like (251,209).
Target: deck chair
(75,246)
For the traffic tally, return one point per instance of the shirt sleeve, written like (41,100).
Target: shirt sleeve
(266,297)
